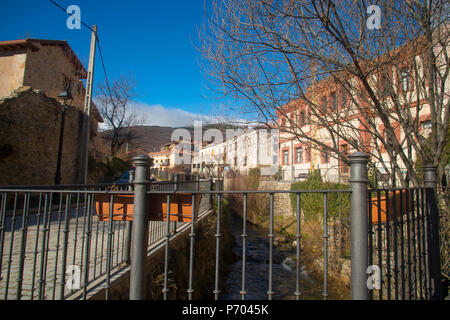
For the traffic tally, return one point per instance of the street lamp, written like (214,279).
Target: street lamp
(62,97)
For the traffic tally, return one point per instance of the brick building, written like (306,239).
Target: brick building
(335,108)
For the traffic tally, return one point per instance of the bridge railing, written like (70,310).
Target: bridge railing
(362,241)
(54,245)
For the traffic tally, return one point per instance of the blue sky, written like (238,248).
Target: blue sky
(152,39)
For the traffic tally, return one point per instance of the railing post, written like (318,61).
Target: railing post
(140,229)
(429,176)
(211,196)
(176,187)
(430,183)
(358,224)
(129,225)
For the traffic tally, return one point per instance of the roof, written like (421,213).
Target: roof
(15,45)
(159,153)
(24,44)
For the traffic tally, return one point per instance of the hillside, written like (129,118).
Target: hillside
(150,138)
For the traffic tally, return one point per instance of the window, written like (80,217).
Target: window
(333,101)
(302,118)
(385,83)
(308,154)
(345,151)
(286,157)
(426,125)
(343,98)
(324,104)
(299,155)
(325,156)
(386,89)
(405,77)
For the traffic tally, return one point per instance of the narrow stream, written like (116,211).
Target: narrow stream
(257,269)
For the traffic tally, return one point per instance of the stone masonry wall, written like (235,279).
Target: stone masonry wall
(48,69)
(29,139)
(282,201)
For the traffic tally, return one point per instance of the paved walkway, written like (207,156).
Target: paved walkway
(42,265)
(42,274)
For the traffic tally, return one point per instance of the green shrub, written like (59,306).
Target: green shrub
(224,207)
(338,204)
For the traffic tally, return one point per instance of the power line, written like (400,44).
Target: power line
(104,69)
(81,21)
(98,44)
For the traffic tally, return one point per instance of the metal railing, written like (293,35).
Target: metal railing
(44,231)
(53,244)
(138,280)
(404,242)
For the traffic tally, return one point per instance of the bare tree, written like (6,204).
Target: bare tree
(283,60)
(113,103)
(278,58)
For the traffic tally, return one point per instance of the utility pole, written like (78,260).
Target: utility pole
(87,111)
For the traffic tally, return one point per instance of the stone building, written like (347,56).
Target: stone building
(46,65)
(33,72)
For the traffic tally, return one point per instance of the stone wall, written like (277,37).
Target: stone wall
(49,69)
(258,205)
(204,265)
(282,201)
(29,139)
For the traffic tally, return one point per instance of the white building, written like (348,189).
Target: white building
(241,151)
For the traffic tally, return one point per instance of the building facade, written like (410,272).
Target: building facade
(33,73)
(241,151)
(346,111)
(46,65)
(173,157)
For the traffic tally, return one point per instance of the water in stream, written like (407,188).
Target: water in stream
(257,269)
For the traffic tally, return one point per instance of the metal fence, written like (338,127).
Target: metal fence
(54,246)
(137,283)
(45,231)
(404,244)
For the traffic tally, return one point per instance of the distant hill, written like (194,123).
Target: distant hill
(150,138)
